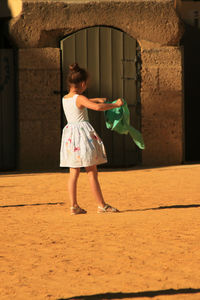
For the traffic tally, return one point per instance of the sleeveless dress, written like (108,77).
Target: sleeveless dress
(80,144)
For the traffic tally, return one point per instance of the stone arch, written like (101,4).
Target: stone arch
(44,23)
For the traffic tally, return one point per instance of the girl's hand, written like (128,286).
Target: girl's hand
(119,102)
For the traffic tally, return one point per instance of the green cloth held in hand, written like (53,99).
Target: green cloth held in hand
(118,119)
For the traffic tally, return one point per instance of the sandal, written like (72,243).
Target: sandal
(77,210)
(107,209)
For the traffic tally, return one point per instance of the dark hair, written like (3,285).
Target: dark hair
(76,74)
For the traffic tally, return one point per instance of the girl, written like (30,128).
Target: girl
(81,145)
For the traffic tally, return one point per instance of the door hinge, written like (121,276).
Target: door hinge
(128,78)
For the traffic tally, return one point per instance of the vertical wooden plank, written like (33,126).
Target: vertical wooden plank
(68,56)
(93,69)
(129,69)
(93,60)
(7,110)
(106,85)
(105,63)
(130,95)
(81,48)
(117,67)
(117,91)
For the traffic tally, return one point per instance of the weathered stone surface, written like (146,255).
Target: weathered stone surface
(39,108)
(170,79)
(162,79)
(39,82)
(44,23)
(162,128)
(162,104)
(45,59)
(30,138)
(150,78)
(167,56)
(39,145)
(163,143)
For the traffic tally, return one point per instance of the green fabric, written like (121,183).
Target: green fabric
(118,119)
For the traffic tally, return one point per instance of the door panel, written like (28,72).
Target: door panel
(106,85)
(7,111)
(129,75)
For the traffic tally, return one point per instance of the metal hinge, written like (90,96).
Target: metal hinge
(129,78)
(128,60)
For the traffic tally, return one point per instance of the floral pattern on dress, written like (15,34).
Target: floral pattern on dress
(81,146)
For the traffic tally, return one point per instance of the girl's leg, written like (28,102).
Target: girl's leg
(72,186)
(94,182)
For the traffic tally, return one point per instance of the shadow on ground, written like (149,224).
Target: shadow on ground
(148,294)
(32,204)
(121,211)
(164,207)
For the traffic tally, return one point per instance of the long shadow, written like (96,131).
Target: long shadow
(148,294)
(6,186)
(164,207)
(34,204)
(122,211)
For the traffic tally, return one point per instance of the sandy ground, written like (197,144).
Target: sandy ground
(149,250)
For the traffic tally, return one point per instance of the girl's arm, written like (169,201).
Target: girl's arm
(83,101)
(97,100)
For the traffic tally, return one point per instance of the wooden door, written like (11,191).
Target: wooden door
(109,55)
(191,43)
(7,111)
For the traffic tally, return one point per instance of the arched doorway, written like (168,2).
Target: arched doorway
(110,56)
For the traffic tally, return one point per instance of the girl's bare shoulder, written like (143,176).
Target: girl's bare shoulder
(82,97)
(68,96)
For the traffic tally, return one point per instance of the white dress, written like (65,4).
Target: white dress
(80,145)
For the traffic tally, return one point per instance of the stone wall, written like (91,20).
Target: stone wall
(39,108)
(37,30)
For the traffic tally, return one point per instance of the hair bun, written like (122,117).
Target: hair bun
(74,67)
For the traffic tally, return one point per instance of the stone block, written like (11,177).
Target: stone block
(30,145)
(170,79)
(163,143)
(51,144)
(38,83)
(162,56)
(162,106)
(39,59)
(39,145)
(150,79)
(162,128)
(36,108)
(162,79)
